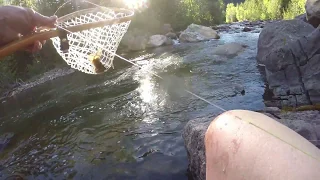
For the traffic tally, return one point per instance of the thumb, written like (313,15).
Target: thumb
(41,20)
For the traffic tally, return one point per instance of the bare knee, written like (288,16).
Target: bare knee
(238,146)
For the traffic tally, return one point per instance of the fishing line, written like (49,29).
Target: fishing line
(193,94)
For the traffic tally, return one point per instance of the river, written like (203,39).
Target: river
(126,123)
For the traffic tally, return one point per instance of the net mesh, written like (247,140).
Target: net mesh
(88,47)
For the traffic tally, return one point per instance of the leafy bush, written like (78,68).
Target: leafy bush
(253,10)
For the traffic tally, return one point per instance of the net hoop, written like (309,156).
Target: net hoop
(52,33)
(94,45)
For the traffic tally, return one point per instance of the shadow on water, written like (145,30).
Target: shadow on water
(126,123)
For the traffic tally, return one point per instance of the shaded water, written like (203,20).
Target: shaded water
(126,124)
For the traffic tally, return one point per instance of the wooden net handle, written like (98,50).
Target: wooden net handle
(28,40)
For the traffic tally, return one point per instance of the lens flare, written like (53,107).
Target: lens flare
(136,4)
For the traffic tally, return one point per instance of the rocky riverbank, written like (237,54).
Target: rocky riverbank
(288,52)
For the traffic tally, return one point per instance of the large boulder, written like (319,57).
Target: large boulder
(157,40)
(196,33)
(313,12)
(305,123)
(289,50)
(278,34)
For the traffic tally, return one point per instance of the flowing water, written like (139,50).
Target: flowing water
(126,123)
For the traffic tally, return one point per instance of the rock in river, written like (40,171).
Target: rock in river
(196,33)
(230,49)
(157,40)
(193,135)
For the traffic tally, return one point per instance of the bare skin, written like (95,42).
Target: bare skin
(16,22)
(236,149)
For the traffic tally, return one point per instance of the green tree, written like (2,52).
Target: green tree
(295,8)
(231,13)
(253,10)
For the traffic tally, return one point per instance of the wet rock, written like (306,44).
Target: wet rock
(229,49)
(313,12)
(172,35)
(193,135)
(272,110)
(197,33)
(239,89)
(305,123)
(157,40)
(246,29)
(222,27)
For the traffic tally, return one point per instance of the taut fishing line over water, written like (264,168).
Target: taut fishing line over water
(91,47)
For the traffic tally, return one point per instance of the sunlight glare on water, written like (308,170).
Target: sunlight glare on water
(149,89)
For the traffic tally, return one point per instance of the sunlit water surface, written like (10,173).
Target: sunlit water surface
(127,123)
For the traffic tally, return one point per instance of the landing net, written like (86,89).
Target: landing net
(93,54)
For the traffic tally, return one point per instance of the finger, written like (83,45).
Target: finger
(37,46)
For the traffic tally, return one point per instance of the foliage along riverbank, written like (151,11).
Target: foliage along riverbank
(252,10)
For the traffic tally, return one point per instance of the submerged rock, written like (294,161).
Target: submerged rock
(196,33)
(229,49)
(306,123)
(172,35)
(246,29)
(239,89)
(157,40)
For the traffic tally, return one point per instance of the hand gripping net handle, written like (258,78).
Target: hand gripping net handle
(92,51)
(111,22)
